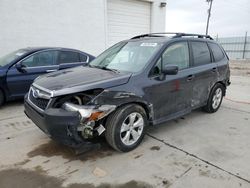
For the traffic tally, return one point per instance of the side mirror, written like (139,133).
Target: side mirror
(170,70)
(20,67)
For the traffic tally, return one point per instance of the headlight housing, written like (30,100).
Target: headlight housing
(89,112)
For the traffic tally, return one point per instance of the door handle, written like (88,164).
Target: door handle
(214,69)
(190,77)
(51,70)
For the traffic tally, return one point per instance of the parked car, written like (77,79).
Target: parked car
(19,69)
(146,80)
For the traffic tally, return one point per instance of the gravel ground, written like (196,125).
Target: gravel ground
(240,67)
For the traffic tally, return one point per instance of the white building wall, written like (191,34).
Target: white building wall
(80,24)
(127,18)
(158,16)
(76,24)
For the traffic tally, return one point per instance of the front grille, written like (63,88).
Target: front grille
(38,102)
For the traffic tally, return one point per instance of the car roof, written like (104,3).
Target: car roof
(164,37)
(35,49)
(151,39)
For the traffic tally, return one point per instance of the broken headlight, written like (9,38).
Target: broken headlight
(89,112)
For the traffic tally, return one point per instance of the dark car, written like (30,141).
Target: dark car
(146,80)
(19,69)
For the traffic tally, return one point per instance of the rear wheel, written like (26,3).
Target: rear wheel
(215,98)
(125,128)
(1,97)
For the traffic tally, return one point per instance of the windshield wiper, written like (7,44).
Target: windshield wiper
(109,69)
(104,68)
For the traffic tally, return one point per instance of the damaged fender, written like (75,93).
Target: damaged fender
(119,98)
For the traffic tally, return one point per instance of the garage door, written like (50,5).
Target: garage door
(127,18)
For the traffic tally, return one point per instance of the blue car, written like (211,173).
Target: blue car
(19,69)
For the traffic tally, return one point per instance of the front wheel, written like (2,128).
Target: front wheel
(215,98)
(125,128)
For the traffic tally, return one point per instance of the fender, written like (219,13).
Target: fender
(120,98)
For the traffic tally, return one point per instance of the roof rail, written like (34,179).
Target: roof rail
(176,35)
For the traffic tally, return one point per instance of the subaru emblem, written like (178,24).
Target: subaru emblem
(36,93)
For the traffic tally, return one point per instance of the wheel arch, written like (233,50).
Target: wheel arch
(147,107)
(224,85)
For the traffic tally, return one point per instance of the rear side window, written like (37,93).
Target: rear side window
(67,57)
(217,52)
(201,53)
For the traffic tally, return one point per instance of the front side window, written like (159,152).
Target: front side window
(217,52)
(67,57)
(176,54)
(201,53)
(130,56)
(40,59)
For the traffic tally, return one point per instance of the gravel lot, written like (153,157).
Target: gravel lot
(197,150)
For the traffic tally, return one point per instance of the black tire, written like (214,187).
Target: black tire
(210,108)
(2,100)
(114,123)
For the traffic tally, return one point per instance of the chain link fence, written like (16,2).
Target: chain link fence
(236,47)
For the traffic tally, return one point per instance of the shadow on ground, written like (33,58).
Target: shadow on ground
(29,179)
(52,148)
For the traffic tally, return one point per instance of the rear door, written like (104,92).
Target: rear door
(222,62)
(204,71)
(68,59)
(34,65)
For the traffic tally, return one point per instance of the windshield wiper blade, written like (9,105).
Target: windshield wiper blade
(104,68)
(109,69)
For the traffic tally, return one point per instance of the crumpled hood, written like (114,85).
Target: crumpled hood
(80,79)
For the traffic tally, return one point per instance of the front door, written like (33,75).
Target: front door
(171,94)
(19,81)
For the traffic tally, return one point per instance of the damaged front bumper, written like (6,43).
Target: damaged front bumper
(58,124)
(67,124)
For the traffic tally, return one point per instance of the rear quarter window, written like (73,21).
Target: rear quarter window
(67,57)
(83,58)
(217,52)
(201,53)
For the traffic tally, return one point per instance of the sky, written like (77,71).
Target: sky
(228,17)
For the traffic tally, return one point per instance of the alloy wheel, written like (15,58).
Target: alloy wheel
(132,128)
(217,98)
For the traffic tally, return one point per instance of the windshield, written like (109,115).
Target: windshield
(10,57)
(127,56)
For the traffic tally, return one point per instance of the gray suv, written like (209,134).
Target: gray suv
(146,80)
